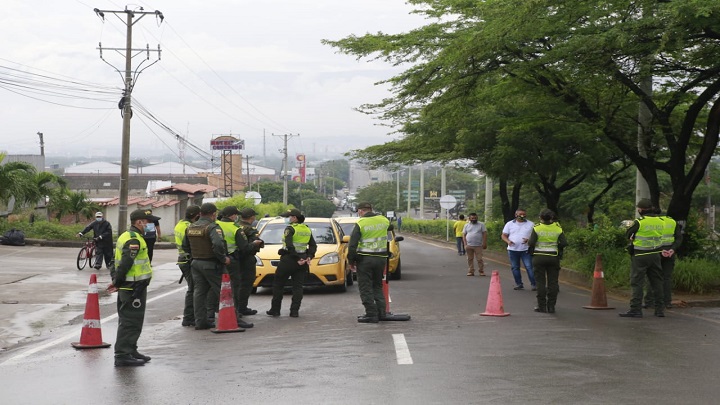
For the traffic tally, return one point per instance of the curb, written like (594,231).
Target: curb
(79,243)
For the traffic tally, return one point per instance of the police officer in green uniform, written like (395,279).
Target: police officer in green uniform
(233,236)
(298,250)
(130,278)
(645,236)
(192,213)
(367,252)
(247,247)
(546,243)
(204,241)
(671,240)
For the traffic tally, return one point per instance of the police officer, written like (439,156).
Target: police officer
(367,252)
(130,278)
(546,243)
(645,236)
(102,234)
(233,236)
(192,213)
(204,241)
(671,241)
(298,250)
(247,247)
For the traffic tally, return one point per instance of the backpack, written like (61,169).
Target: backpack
(13,237)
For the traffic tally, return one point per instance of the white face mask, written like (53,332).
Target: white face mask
(99,219)
(287,220)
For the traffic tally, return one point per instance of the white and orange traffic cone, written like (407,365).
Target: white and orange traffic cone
(91,334)
(494,306)
(227,318)
(599,297)
(389,316)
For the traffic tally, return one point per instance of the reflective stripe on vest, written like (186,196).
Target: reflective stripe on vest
(141,269)
(648,238)
(373,235)
(229,229)
(547,242)
(301,237)
(668,234)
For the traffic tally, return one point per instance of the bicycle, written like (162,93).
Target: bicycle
(86,254)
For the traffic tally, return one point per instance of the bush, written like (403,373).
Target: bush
(318,208)
(696,275)
(43,229)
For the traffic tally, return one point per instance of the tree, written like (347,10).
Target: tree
(593,58)
(65,202)
(382,196)
(17,179)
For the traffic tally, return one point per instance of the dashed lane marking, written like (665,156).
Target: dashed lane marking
(402,352)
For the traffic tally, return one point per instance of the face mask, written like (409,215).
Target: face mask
(99,219)
(474,221)
(520,217)
(148,228)
(287,220)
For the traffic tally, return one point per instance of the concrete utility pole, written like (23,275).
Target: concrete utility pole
(488,198)
(125,102)
(409,196)
(443,189)
(285,175)
(421,194)
(42,144)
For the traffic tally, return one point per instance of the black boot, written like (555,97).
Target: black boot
(128,361)
(540,309)
(368,319)
(633,313)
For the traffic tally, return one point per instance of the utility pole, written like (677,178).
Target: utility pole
(126,101)
(42,144)
(409,190)
(443,190)
(285,175)
(421,194)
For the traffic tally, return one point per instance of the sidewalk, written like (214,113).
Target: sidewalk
(577,279)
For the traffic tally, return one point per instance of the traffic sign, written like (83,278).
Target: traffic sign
(448,202)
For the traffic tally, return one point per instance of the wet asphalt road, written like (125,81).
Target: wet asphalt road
(452,355)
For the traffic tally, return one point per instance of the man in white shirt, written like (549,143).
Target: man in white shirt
(474,236)
(516,234)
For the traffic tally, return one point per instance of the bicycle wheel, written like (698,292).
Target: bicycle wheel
(82,258)
(91,256)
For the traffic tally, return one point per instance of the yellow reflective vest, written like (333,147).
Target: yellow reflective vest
(668,234)
(229,229)
(547,239)
(648,238)
(141,269)
(373,236)
(301,237)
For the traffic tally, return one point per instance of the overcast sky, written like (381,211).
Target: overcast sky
(236,67)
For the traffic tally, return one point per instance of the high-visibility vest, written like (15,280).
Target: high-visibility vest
(141,269)
(648,238)
(547,241)
(301,237)
(373,236)
(180,234)
(668,234)
(229,228)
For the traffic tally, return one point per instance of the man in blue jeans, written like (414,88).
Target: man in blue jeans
(516,234)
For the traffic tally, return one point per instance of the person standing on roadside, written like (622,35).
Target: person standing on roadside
(458,228)
(130,278)
(102,235)
(233,235)
(247,247)
(474,236)
(546,245)
(645,236)
(516,234)
(152,233)
(298,250)
(205,242)
(671,240)
(192,213)
(367,253)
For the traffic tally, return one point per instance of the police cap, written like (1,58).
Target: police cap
(208,208)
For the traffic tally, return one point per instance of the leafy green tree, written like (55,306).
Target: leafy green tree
(17,179)
(383,196)
(318,208)
(65,202)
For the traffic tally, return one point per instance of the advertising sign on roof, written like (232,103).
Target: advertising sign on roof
(227,143)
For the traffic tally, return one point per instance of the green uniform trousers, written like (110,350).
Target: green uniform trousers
(547,272)
(668,266)
(248,273)
(130,322)
(288,268)
(188,311)
(207,275)
(649,266)
(370,271)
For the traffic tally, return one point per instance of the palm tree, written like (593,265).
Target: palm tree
(64,202)
(16,180)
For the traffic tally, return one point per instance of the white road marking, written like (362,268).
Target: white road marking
(76,335)
(401,349)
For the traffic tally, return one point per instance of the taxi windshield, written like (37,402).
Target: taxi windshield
(322,233)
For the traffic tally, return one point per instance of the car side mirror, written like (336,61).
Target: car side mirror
(346,239)
(399,239)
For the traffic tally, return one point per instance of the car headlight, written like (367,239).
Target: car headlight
(258,261)
(330,258)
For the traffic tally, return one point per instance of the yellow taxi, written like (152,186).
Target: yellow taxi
(328,268)
(395,268)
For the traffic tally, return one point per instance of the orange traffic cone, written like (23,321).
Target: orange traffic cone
(494,306)
(227,318)
(599,298)
(91,334)
(389,316)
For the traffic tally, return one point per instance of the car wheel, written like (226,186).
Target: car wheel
(396,275)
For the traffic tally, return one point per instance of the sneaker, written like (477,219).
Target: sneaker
(518,287)
(471,274)
(482,273)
